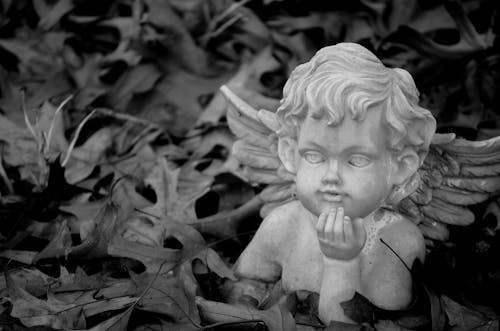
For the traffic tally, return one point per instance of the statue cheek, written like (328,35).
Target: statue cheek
(373,188)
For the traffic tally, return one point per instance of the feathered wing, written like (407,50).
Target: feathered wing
(256,148)
(455,174)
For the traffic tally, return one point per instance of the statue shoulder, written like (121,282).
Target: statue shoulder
(403,236)
(282,220)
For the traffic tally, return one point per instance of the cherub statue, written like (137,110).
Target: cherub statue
(356,176)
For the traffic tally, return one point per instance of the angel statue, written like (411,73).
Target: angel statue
(357,177)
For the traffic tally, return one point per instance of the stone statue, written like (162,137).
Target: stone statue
(357,177)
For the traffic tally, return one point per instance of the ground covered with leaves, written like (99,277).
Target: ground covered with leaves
(120,200)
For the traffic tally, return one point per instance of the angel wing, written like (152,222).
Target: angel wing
(455,174)
(257,150)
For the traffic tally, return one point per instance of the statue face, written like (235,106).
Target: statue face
(346,165)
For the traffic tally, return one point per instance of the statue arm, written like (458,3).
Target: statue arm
(258,267)
(341,279)
(388,282)
(379,275)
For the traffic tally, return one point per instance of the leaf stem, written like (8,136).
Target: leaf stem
(214,325)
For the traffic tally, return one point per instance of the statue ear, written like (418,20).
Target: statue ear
(287,152)
(407,163)
(404,176)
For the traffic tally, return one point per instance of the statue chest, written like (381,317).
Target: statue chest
(302,263)
(302,260)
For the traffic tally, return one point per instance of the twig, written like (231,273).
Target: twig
(212,31)
(49,134)
(228,11)
(26,118)
(77,134)
(487,323)
(220,223)
(225,26)
(255,201)
(126,117)
(3,175)
(212,326)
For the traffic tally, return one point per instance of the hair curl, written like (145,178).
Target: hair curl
(347,76)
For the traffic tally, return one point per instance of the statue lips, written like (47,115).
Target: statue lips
(331,195)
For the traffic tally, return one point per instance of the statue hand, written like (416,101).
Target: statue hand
(340,238)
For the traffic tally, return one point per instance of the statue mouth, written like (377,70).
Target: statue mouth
(331,196)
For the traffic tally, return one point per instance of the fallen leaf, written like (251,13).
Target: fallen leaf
(87,79)
(101,228)
(115,323)
(138,79)
(165,295)
(183,92)
(126,197)
(343,326)
(186,52)
(98,306)
(51,14)
(26,257)
(32,311)
(145,230)
(85,158)
(122,287)
(19,146)
(161,325)
(32,280)
(85,213)
(54,86)
(463,318)
(386,325)
(34,63)
(163,178)
(137,163)
(59,245)
(79,281)
(154,258)
(360,309)
(191,185)
(276,318)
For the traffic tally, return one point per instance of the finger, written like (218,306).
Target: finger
(338,229)
(320,225)
(359,231)
(329,225)
(348,229)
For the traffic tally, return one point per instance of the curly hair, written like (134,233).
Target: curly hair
(347,76)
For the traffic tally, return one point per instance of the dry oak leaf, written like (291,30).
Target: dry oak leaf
(51,14)
(138,79)
(463,318)
(59,245)
(276,318)
(85,158)
(166,296)
(32,311)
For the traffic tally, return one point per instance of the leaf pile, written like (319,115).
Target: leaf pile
(120,200)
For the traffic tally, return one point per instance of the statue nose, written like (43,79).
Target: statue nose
(332,174)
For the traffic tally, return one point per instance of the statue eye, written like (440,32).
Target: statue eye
(359,161)
(313,157)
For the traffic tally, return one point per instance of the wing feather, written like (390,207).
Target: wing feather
(434,230)
(459,197)
(481,184)
(479,148)
(456,173)
(256,149)
(277,192)
(481,170)
(255,156)
(448,213)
